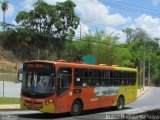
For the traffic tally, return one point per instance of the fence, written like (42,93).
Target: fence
(9,87)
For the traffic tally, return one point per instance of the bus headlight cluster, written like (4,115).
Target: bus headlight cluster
(45,103)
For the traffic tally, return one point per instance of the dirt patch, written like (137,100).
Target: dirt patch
(8,66)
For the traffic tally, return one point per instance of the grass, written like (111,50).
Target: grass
(4,100)
(8,77)
(8,70)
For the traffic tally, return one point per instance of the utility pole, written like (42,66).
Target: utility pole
(141,73)
(144,60)
(80,31)
(4,25)
(4,31)
(149,71)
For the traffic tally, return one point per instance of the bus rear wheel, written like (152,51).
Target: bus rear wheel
(76,108)
(120,103)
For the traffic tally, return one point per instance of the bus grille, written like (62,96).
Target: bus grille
(32,107)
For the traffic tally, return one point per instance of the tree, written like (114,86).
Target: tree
(103,46)
(129,34)
(145,54)
(123,57)
(75,49)
(152,58)
(4,7)
(50,25)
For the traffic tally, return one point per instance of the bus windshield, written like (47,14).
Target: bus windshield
(38,83)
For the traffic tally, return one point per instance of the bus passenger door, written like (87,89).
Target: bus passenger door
(64,79)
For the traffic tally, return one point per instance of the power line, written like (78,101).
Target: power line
(157,11)
(130,7)
(133,9)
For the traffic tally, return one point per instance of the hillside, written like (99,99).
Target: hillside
(8,66)
(8,63)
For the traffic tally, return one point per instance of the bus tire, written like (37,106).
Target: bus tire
(76,108)
(120,103)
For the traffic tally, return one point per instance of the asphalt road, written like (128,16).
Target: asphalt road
(148,101)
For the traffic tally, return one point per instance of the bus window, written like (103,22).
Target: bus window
(106,80)
(132,78)
(124,78)
(64,80)
(112,78)
(117,76)
(112,74)
(80,77)
(94,77)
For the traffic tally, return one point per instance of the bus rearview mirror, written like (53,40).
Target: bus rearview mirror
(20,75)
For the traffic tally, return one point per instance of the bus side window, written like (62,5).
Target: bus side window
(112,78)
(130,78)
(133,78)
(106,80)
(80,77)
(117,77)
(124,80)
(94,77)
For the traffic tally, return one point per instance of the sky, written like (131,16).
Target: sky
(111,16)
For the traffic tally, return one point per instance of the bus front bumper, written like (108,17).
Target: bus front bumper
(46,108)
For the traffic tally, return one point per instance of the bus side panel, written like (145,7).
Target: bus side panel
(107,101)
(107,95)
(93,101)
(129,93)
(133,92)
(90,100)
(62,104)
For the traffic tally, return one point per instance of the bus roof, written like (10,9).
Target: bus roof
(83,65)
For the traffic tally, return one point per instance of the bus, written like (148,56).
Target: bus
(61,86)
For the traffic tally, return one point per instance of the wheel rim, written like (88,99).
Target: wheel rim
(120,103)
(75,108)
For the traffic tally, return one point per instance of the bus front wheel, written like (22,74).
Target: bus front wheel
(76,108)
(120,103)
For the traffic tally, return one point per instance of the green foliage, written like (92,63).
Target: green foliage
(101,45)
(108,51)
(9,55)
(4,5)
(49,30)
(141,43)
(44,27)
(73,49)
(123,57)
(129,34)
(5,100)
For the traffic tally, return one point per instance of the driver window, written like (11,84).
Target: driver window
(64,80)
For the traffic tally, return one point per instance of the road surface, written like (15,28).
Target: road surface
(148,101)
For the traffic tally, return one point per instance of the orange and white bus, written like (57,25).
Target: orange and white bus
(60,86)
